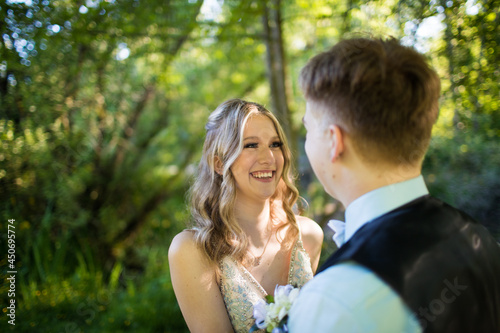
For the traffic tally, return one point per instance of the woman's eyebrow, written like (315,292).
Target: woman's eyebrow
(257,138)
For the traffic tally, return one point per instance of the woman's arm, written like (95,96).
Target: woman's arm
(195,286)
(312,238)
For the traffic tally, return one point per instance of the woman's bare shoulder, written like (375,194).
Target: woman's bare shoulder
(194,280)
(181,241)
(184,245)
(186,258)
(309,229)
(312,239)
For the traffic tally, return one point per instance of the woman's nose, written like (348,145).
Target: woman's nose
(266,156)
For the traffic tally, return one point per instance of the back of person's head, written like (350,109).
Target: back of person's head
(384,95)
(213,192)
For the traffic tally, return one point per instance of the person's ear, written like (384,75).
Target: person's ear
(336,142)
(218,166)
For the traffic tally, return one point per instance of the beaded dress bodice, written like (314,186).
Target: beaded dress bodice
(241,291)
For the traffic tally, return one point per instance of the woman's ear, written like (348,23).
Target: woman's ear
(218,166)
(336,142)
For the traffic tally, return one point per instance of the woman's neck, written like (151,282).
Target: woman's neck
(254,218)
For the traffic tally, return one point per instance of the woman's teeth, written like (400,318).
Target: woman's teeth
(262,174)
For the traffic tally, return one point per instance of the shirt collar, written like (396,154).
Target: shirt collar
(376,203)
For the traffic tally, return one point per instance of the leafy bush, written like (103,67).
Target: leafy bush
(84,302)
(464,172)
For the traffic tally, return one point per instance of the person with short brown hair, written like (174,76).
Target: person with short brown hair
(387,106)
(407,262)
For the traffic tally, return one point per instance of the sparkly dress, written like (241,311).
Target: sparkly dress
(241,291)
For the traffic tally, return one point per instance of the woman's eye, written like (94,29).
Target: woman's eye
(250,145)
(276,144)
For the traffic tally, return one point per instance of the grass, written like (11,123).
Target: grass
(85,302)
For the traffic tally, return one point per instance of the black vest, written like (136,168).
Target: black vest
(443,264)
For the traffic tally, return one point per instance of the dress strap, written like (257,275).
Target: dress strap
(300,231)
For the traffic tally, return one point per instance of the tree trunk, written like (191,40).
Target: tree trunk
(275,58)
(346,18)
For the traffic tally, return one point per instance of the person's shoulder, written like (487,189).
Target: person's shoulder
(344,293)
(183,245)
(309,229)
(339,280)
(184,254)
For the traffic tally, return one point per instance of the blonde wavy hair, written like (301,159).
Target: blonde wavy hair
(212,195)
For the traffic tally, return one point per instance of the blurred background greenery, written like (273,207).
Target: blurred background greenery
(102,112)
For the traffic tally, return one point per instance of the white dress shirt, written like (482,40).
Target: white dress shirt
(348,297)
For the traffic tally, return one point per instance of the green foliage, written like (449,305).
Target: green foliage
(85,302)
(88,157)
(464,172)
(86,160)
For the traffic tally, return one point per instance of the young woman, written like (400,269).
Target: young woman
(245,237)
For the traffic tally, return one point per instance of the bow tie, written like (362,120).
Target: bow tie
(339,228)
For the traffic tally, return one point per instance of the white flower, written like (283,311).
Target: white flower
(272,316)
(293,295)
(281,293)
(283,312)
(260,313)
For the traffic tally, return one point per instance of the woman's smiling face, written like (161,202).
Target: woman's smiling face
(257,170)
